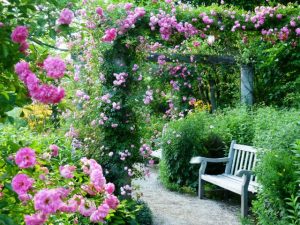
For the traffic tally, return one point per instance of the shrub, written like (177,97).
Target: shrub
(275,132)
(130,212)
(144,215)
(182,140)
(276,129)
(233,124)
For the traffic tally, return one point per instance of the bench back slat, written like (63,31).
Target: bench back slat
(241,157)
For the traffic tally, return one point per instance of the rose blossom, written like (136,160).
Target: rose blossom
(112,201)
(66,17)
(35,219)
(55,67)
(47,201)
(67,171)
(19,34)
(100,214)
(110,35)
(99,11)
(25,158)
(87,207)
(109,188)
(54,149)
(22,67)
(21,183)
(97,179)
(23,47)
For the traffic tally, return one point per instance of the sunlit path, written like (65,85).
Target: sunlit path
(171,208)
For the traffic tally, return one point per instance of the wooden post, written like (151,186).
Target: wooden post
(247,75)
(212,95)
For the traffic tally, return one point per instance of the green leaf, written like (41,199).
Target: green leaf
(5,220)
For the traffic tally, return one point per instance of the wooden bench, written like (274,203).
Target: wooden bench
(238,176)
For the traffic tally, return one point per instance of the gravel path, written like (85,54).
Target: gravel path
(171,208)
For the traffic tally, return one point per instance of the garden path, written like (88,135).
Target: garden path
(172,208)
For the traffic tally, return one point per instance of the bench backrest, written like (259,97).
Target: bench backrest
(242,157)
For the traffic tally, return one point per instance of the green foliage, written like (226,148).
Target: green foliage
(276,129)
(130,212)
(144,215)
(294,209)
(184,139)
(233,124)
(277,79)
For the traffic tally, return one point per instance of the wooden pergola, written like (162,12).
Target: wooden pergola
(247,72)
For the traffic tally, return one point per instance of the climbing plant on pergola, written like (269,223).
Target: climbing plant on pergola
(124,37)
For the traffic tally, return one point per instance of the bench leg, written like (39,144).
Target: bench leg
(201,182)
(244,203)
(201,188)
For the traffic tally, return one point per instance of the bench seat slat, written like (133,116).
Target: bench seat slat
(229,182)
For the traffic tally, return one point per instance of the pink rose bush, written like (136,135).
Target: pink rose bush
(44,93)
(91,197)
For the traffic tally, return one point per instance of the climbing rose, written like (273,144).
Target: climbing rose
(35,219)
(66,17)
(67,171)
(19,34)
(112,201)
(21,67)
(23,47)
(54,149)
(110,35)
(100,214)
(55,67)
(97,179)
(48,94)
(47,201)
(99,11)
(87,207)
(25,158)
(70,207)
(21,183)
(109,188)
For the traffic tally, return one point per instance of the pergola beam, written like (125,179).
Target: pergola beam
(198,58)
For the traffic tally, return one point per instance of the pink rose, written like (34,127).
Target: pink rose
(19,34)
(25,158)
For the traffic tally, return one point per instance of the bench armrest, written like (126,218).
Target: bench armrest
(241,173)
(199,159)
(246,175)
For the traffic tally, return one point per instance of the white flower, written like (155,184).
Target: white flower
(211,39)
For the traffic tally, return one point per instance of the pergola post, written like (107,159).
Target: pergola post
(247,77)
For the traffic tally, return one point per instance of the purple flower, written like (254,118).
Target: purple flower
(66,17)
